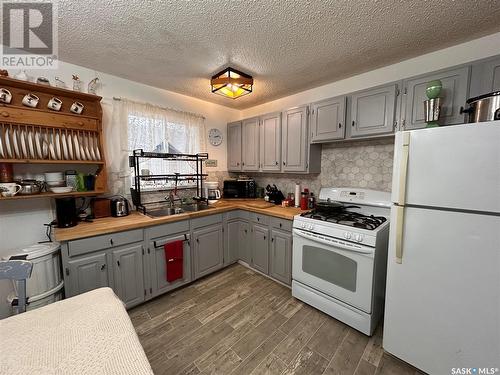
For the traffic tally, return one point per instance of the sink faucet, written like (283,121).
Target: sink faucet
(172,197)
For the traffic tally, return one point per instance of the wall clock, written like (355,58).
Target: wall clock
(215,137)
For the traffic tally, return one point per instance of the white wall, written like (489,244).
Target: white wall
(21,222)
(459,54)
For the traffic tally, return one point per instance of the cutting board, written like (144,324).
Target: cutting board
(259,204)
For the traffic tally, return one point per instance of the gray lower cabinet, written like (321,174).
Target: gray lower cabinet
(270,142)
(260,248)
(158,264)
(208,250)
(328,120)
(232,241)
(245,243)
(234,146)
(250,144)
(281,256)
(128,275)
(86,273)
(372,112)
(454,94)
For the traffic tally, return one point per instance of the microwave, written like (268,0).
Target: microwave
(239,189)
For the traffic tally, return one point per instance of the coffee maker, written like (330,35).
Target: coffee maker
(66,215)
(211,191)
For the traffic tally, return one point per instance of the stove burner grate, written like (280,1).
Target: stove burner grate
(352,219)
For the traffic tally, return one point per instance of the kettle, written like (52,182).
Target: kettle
(119,207)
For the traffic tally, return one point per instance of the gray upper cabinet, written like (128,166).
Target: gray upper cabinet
(86,273)
(234,146)
(373,111)
(127,274)
(294,140)
(455,88)
(485,77)
(270,142)
(260,248)
(281,256)
(328,120)
(208,251)
(250,144)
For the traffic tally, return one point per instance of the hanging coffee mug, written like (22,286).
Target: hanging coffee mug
(5,96)
(55,104)
(77,108)
(31,100)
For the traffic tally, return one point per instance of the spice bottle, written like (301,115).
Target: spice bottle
(303,200)
(311,201)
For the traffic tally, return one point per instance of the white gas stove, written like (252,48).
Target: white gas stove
(340,255)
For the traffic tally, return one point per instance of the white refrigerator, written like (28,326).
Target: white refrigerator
(442,304)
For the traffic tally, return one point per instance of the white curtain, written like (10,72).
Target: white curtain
(151,128)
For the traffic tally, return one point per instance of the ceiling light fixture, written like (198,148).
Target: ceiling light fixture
(231,83)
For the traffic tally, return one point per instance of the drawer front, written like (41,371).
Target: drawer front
(237,215)
(58,120)
(206,220)
(259,218)
(282,224)
(167,229)
(88,245)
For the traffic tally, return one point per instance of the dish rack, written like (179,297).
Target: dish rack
(197,178)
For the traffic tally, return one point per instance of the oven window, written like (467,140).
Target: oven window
(330,266)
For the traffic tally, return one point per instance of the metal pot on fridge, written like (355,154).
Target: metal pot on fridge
(483,108)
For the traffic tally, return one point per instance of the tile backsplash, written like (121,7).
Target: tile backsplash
(364,164)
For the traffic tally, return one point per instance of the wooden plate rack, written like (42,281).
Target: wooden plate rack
(74,138)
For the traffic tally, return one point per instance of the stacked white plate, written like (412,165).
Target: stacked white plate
(25,143)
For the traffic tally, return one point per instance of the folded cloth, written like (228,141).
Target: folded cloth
(174,260)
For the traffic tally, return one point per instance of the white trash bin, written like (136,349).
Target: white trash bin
(46,282)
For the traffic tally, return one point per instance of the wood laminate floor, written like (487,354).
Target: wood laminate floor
(240,322)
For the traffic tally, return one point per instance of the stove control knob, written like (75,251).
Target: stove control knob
(347,235)
(358,237)
(310,227)
(302,225)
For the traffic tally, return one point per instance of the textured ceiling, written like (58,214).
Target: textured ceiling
(288,46)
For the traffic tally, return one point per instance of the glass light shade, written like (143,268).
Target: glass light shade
(231,83)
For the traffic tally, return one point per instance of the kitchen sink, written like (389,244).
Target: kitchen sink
(195,207)
(159,212)
(169,211)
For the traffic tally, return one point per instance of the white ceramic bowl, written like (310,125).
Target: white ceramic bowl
(61,183)
(54,176)
(58,190)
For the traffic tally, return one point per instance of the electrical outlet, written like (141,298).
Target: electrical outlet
(211,163)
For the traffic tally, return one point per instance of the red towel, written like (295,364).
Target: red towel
(174,259)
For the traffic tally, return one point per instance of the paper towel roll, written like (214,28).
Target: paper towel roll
(297,194)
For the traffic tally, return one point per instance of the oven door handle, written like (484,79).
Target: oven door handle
(334,242)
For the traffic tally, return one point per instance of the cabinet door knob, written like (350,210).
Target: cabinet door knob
(340,125)
(272,239)
(246,231)
(353,122)
(277,163)
(118,262)
(103,267)
(198,240)
(243,163)
(111,242)
(237,163)
(264,237)
(5,114)
(284,162)
(281,225)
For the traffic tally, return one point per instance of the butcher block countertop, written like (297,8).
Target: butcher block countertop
(137,220)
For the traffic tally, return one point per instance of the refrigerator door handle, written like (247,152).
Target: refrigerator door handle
(403,168)
(400,213)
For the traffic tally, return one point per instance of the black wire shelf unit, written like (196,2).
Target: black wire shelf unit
(197,177)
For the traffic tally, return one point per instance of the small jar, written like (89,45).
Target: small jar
(6,172)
